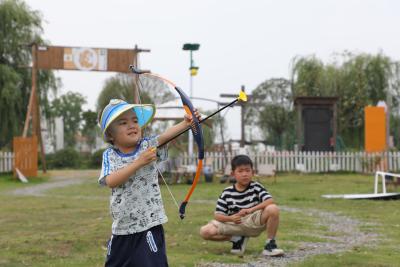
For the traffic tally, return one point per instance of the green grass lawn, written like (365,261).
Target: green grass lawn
(69,226)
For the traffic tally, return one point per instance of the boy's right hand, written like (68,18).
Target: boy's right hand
(236,218)
(147,156)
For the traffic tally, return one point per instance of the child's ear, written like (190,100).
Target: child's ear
(109,135)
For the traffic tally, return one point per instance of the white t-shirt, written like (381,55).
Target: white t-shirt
(135,205)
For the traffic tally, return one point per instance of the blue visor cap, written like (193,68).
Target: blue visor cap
(144,113)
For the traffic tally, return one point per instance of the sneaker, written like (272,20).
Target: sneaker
(239,246)
(272,250)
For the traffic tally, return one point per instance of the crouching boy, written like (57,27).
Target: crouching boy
(244,210)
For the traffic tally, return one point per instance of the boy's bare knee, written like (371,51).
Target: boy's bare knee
(207,231)
(204,232)
(272,210)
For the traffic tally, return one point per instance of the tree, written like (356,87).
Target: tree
(309,75)
(271,109)
(122,86)
(69,106)
(90,128)
(19,27)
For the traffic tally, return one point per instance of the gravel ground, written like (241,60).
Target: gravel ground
(348,235)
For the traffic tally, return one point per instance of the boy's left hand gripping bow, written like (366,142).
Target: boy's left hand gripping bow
(197,134)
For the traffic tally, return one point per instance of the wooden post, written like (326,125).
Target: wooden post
(33,110)
(136,92)
(40,138)
(32,101)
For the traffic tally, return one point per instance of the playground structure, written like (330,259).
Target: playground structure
(63,58)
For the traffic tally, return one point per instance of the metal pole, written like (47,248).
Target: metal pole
(242,107)
(136,78)
(190,141)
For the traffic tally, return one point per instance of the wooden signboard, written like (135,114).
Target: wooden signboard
(85,58)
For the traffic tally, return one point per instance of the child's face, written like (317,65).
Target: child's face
(125,131)
(243,174)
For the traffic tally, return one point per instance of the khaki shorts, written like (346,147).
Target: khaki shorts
(250,226)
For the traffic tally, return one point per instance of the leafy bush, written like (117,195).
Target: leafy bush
(96,159)
(64,158)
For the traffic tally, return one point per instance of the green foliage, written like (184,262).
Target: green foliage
(209,133)
(90,128)
(96,159)
(271,110)
(219,128)
(65,158)
(19,27)
(310,78)
(69,106)
(359,80)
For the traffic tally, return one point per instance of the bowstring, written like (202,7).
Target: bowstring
(144,134)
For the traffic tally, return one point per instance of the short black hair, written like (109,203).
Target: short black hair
(240,160)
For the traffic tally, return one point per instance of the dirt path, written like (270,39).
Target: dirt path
(57,179)
(348,236)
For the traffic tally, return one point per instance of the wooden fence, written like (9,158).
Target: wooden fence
(6,162)
(312,162)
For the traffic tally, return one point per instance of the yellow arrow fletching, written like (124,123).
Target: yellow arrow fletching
(242,96)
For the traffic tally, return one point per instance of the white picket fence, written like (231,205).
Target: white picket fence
(316,162)
(6,161)
(285,161)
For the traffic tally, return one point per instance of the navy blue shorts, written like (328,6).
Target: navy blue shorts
(143,249)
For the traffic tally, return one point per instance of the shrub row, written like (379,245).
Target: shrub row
(69,158)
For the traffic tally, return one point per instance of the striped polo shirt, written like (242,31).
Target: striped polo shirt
(231,200)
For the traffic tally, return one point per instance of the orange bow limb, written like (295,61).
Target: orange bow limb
(190,192)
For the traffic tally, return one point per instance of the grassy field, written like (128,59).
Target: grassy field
(69,226)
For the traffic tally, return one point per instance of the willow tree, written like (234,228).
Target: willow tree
(19,27)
